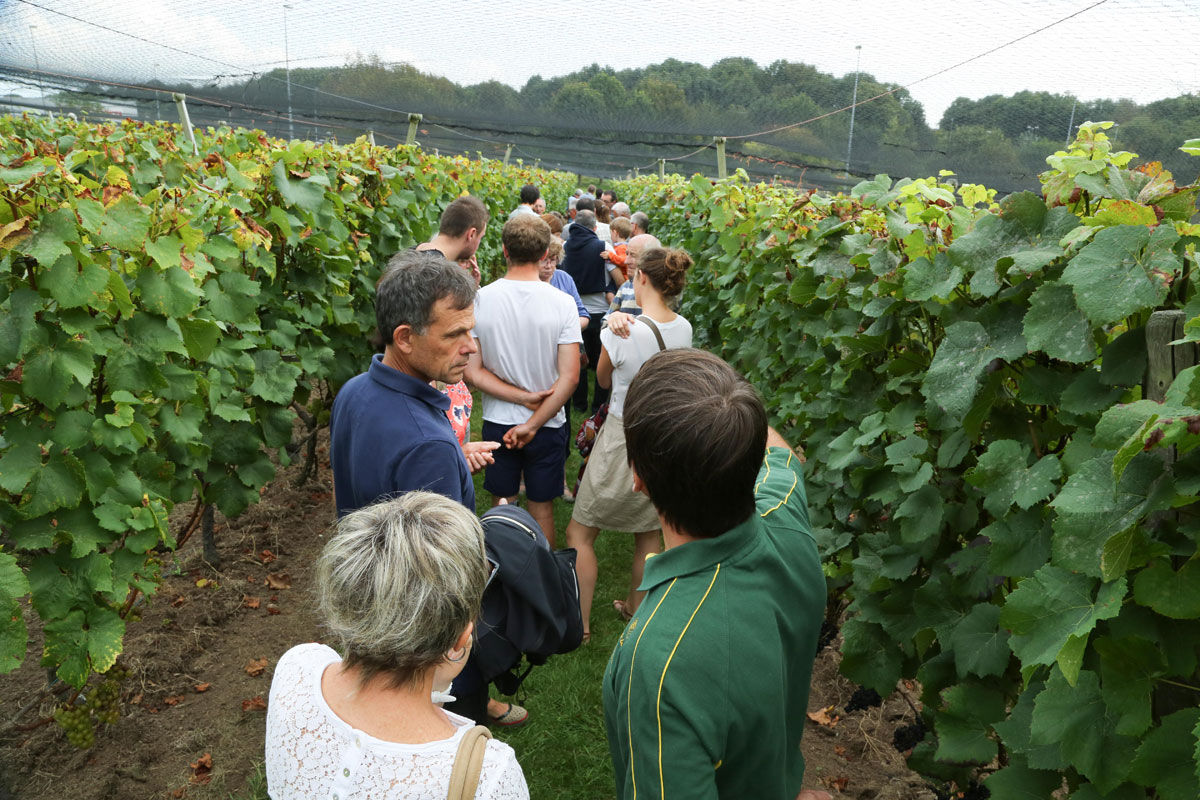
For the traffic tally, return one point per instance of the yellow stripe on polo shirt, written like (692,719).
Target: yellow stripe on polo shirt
(795,480)
(662,792)
(629,691)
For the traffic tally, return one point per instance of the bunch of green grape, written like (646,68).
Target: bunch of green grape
(102,707)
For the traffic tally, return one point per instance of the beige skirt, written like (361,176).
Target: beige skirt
(606,498)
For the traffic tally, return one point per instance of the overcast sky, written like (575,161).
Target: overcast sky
(1141,49)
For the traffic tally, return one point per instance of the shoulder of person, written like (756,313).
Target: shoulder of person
(307,653)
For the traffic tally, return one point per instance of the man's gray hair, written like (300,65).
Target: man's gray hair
(620,209)
(587,219)
(641,220)
(412,283)
(399,582)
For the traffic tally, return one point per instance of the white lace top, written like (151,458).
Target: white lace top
(312,754)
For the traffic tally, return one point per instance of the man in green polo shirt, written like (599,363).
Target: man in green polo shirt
(706,692)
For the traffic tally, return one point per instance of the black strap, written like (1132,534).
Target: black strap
(654,328)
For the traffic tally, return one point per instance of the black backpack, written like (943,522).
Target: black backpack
(531,606)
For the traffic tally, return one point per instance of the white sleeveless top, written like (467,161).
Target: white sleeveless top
(312,754)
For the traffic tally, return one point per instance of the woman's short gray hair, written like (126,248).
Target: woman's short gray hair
(399,582)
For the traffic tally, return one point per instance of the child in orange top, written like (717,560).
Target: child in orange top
(621,229)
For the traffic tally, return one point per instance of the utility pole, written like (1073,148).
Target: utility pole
(287,63)
(38,66)
(853,105)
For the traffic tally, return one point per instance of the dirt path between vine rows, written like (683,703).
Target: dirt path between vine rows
(202,655)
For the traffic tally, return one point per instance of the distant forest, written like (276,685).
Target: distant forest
(600,121)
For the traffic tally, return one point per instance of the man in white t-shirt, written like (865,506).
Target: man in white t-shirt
(529,337)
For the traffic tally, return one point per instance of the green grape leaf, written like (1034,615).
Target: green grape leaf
(58,484)
(126,225)
(1123,270)
(14,636)
(1002,474)
(979,645)
(307,193)
(165,251)
(1052,606)
(13,583)
(1020,544)
(1057,327)
(55,231)
(200,337)
(921,515)
(1078,721)
(1128,669)
(170,292)
(964,722)
(924,280)
(74,285)
(1018,782)
(274,379)
(1024,235)
(1170,593)
(50,371)
(81,643)
(1166,760)
(870,657)
(954,376)
(18,465)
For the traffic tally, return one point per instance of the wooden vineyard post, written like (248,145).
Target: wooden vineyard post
(1163,362)
(662,168)
(507,153)
(413,121)
(371,138)
(721,172)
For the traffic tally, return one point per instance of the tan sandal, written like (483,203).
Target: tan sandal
(619,607)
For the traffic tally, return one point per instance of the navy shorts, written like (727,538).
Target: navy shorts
(541,462)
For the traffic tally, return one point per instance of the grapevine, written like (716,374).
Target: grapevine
(985,472)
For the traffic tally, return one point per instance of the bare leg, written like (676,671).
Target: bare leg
(583,539)
(643,545)
(543,512)
(512,501)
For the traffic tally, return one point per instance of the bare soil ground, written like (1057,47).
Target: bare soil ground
(202,655)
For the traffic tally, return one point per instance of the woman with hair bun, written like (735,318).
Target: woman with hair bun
(606,498)
(399,586)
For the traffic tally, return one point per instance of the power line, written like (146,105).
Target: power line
(921,80)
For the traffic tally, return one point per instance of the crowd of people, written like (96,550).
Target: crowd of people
(706,691)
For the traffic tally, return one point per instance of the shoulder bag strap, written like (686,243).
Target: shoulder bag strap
(468,764)
(654,328)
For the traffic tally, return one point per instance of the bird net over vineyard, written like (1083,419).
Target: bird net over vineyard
(813,97)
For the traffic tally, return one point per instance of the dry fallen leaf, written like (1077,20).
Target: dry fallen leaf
(254,704)
(203,687)
(250,602)
(256,667)
(273,609)
(173,700)
(137,700)
(202,582)
(251,579)
(279,580)
(823,717)
(202,769)
(178,793)
(178,601)
(267,556)
(839,783)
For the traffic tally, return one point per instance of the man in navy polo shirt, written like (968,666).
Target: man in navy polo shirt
(388,432)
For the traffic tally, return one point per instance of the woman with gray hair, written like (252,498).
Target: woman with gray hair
(400,585)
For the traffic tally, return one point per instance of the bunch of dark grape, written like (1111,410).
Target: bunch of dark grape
(828,633)
(909,736)
(863,699)
(977,791)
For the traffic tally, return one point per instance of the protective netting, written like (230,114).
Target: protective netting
(818,98)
